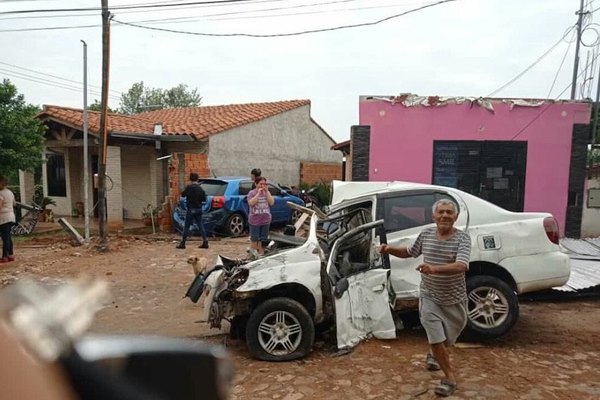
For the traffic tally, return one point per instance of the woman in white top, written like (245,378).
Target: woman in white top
(7,219)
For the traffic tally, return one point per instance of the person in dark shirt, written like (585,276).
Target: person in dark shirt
(195,196)
(255,174)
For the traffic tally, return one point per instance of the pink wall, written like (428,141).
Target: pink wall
(401,144)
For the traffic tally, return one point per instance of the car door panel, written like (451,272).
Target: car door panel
(364,309)
(359,286)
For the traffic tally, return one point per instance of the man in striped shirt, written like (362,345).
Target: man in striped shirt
(443,294)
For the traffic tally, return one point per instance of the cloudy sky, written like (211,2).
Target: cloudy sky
(458,48)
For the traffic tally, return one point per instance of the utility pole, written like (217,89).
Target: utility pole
(103,127)
(577,44)
(86,169)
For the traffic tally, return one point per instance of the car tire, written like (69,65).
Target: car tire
(296,214)
(492,307)
(268,329)
(235,225)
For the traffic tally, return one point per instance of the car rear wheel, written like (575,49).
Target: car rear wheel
(280,329)
(235,225)
(493,307)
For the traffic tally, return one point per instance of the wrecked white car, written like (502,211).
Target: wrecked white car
(330,272)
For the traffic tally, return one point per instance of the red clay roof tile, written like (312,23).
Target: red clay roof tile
(199,122)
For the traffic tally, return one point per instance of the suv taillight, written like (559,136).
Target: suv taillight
(551,228)
(217,202)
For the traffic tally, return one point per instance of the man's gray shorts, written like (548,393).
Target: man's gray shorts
(442,323)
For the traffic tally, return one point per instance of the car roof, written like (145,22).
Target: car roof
(226,179)
(350,190)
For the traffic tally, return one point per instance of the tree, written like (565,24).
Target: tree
(97,106)
(21,133)
(140,98)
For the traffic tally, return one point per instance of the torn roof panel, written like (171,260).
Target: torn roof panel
(414,100)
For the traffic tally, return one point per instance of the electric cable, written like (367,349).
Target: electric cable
(55,76)
(537,61)
(291,33)
(547,107)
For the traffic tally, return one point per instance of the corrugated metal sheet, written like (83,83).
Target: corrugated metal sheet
(585,264)
(584,275)
(582,247)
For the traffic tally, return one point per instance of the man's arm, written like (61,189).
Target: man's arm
(446,269)
(400,252)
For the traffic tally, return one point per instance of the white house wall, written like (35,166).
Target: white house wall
(590,218)
(139,180)
(276,145)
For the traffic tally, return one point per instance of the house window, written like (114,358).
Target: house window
(55,168)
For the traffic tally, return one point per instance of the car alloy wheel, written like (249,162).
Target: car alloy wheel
(235,225)
(492,306)
(296,216)
(280,329)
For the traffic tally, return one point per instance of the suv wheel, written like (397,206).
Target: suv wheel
(280,329)
(493,307)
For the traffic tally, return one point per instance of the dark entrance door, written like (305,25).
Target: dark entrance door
(492,170)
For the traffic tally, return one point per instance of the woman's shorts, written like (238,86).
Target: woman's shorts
(442,323)
(259,233)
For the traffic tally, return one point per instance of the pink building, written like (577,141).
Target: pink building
(524,155)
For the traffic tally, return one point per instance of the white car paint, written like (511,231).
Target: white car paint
(514,243)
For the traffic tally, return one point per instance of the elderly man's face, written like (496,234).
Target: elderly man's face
(445,216)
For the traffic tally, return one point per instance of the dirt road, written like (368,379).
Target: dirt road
(553,352)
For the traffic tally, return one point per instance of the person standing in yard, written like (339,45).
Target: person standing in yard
(260,201)
(443,293)
(7,219)
(195,196)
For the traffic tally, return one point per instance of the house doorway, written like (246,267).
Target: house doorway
(491,170)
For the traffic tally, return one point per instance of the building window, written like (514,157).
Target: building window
(55,168)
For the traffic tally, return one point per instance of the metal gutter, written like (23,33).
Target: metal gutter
(153,138)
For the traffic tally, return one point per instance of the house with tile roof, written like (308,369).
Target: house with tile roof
(150,155)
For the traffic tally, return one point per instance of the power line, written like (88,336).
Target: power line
(292,33)
(60,85)
(559,69)
(549,105)
(54,76)
(537,61)
(129,7)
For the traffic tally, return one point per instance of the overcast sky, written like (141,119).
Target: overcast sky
(460,48)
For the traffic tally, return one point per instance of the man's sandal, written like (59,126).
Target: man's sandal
(445,388)
(431,363)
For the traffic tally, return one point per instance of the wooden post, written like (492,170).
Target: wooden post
(103,246)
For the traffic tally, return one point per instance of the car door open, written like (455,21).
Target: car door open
(359,285)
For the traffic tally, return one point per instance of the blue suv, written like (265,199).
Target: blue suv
(226,208)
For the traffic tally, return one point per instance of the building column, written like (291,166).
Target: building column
(26,186)
(114,189)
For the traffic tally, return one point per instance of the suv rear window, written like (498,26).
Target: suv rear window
(214,188)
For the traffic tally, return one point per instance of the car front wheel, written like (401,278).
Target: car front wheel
(235,224)
(493,307)
(280,329)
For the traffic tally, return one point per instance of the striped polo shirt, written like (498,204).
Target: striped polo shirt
(443,289)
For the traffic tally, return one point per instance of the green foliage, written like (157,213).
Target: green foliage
(21,134)
(97,106)
(40,200)
(322,191)
(140,98)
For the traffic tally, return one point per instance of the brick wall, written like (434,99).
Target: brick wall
(313,172)
(180,167)
(360,139)
(577,171)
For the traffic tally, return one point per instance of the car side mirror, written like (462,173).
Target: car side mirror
(283,193)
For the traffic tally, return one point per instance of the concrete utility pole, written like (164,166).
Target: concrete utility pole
(577,44)
(86,168)
(103,127)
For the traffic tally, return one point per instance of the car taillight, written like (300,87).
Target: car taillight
(218,202)
(551,228)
